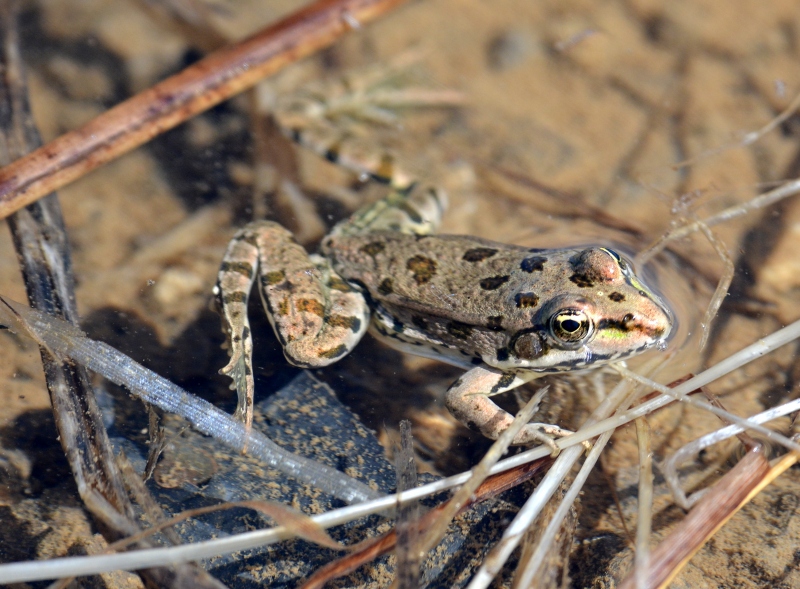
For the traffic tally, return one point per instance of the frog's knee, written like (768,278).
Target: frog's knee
(313,353)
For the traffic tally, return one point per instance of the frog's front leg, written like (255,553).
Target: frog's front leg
(316,316)
(468,400)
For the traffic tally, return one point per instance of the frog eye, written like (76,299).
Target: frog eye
(571,326)
(612,253)
(623,265)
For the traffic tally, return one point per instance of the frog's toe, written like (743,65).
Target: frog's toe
(541,433)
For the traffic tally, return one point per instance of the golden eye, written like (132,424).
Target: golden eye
(570,326)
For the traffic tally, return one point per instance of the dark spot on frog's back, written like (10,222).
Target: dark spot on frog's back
(373,248)
(459,330)
(533,264)
(386,287)
(495,323)
(422,268)
(581,280)
(420,322)
(478,254)
(526,300)
(617,297)
(494,282)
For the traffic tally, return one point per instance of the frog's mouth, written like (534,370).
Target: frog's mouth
(586,359)
(622,329)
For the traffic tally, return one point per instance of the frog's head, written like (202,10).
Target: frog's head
(602,313)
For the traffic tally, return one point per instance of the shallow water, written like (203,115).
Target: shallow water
(576,114)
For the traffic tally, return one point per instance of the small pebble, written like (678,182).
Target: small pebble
(509,49)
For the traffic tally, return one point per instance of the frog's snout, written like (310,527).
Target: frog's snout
(655,321)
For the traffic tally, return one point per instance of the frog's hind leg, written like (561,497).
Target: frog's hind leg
(410,207)
(416,210)
(317,316)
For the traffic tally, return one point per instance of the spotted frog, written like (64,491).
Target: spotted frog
(507,314)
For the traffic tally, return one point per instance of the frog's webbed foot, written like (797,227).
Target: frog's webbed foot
(316,120)
(468,400)
(317,316)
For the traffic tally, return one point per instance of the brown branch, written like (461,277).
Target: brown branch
(199,87)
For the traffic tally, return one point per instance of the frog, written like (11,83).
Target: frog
(506,314)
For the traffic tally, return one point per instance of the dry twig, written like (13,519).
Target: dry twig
(208,82)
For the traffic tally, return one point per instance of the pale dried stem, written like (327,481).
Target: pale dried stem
(621,397)
(723,500)
(525,577)
(723,284)
(544,491)
(741,422)
(644,523)
(67,341)
(671,465)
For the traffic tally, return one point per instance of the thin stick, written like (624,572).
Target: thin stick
(785,190)
(748,138)
(218,77)
(645,521)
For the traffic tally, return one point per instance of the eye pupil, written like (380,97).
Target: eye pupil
(570,325)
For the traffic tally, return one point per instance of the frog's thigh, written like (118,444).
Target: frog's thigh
(317,316)
(468,401)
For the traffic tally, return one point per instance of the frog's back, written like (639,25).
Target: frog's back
(455,277)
